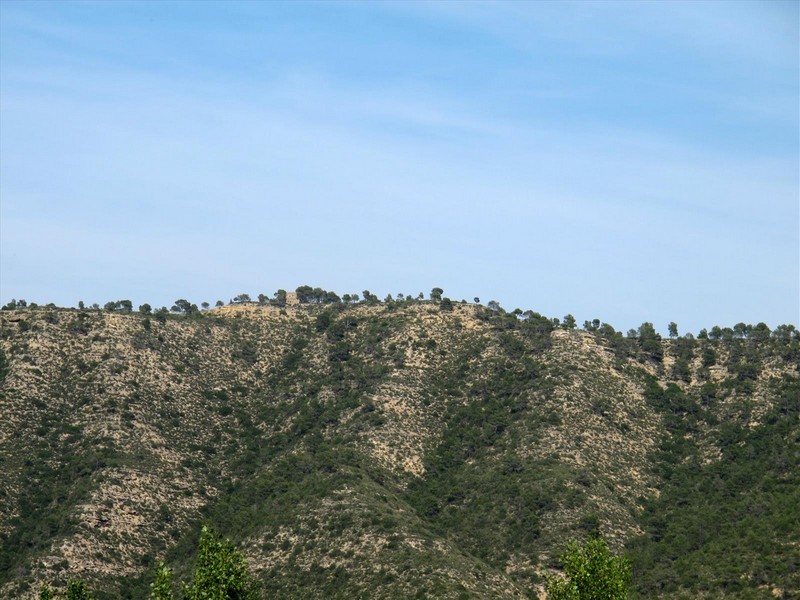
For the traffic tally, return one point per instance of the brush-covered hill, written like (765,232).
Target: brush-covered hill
(395,450)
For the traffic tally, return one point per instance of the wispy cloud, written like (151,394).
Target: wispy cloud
(114,171)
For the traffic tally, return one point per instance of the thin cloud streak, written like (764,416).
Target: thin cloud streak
(311,176)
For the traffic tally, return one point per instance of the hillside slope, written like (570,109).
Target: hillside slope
(406,449)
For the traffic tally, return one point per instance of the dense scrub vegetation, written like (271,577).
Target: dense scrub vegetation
(353,447)
(730,525)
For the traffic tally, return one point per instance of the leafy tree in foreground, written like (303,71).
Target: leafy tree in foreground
(77,590)
(162,586)
(592,572)
(220,572)
(46,593)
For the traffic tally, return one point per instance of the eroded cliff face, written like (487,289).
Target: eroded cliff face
(375,451)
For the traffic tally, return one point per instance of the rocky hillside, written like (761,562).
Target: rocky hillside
(395,450)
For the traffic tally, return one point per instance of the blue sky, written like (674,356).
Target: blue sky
(625,161)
